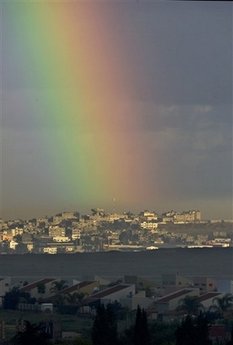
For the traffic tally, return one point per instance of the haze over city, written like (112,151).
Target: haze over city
(120,107)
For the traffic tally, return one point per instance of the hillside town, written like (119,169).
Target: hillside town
(71,232)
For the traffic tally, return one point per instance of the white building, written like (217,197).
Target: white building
(172,300)
(149,225)
(50,250)
(207,300)
(224,286)
(113,294)
(40,289)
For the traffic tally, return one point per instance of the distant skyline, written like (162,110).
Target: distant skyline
(119,212)
(120,105)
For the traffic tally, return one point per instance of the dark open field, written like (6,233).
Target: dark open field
(216,262)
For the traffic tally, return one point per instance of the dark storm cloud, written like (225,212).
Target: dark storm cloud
(195,159)
(174,52)
(181,53)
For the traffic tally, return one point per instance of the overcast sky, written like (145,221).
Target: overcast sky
(181,68)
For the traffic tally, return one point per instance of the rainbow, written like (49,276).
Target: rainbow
(80,71)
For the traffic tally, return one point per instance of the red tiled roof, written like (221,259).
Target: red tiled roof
(208,295)
(33,285)
(110,291)
(170,297)
(105,293)
(77,286)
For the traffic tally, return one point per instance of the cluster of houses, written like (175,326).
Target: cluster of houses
(161,299)
(164,295)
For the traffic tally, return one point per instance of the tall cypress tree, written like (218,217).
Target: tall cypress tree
(230,342)
(104,330)
(202,330)
(193,332)
(185,333)
(141,332)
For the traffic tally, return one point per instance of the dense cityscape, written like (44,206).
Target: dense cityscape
(70,232)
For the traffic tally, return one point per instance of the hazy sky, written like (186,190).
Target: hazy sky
(179,59)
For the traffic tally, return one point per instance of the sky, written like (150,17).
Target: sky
(153,89)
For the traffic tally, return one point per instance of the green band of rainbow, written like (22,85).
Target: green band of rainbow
(80,74)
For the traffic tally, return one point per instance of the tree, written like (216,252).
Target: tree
(141,332)
(230,342)
(41,288)
(59,301)
(74,298)
(13,297)
(68,303)
(185,334)
(104,330)
(162,333)
(77,341)
(202,330)
(193,331)
(190,305)
(213,314)
(32,334)
(58,286)
(223,303)
(80,341)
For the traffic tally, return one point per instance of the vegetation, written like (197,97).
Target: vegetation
(32,334)
(224,303)
(74,298)
(141,331)
(111,324)
(58,286)
(14,297)
(190,305)
(41,288)
(193,331)
(104,330)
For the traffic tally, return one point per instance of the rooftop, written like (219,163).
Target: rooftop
(174,295)
(106,292)
(208,295)
(33,285)
(77,286)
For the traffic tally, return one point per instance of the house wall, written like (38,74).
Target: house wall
(205,284)
(209,302)
(116,296)
(5,285)
(87,290)
(34,292)
(174,303)
(224,286)
(138,299)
